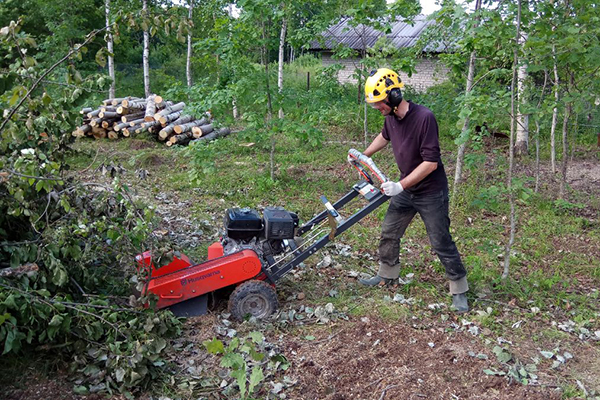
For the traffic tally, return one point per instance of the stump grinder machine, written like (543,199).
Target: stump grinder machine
(256,252)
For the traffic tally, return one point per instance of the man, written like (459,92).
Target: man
(423,187)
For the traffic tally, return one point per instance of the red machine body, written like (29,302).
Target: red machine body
(181,280)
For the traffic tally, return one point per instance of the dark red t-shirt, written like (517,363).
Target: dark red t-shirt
(414,140)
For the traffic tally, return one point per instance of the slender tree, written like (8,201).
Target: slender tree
(146,54)
(109,46)
(188,64)
(460,155)
(281,52)
(513,123)
(522,139)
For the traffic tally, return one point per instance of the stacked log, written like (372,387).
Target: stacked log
(122,117)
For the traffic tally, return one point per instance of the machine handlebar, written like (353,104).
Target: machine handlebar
(365,164)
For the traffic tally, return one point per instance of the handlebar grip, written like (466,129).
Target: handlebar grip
(368,162)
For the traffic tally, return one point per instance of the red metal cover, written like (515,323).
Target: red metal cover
(196,280)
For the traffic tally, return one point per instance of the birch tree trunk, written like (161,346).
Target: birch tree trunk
(565,144)
(554,114)
(460,155)
(281,53)
(513,122)
(188,64)
(109,45)
(265,60)
(522,143)
(146,53)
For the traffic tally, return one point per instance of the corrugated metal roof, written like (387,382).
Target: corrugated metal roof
(403,34)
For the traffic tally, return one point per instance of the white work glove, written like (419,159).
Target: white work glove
(392,188)
(350,159)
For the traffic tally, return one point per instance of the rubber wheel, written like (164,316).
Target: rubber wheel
(253,298)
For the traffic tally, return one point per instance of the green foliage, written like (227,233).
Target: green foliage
(244,359)
(80,238)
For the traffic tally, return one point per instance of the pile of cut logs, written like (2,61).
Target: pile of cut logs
(164,119)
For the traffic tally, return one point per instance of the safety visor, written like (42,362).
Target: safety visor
(379,105)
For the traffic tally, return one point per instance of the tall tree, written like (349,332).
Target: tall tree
(146,53)
(188,64)
(281,52)
(460,155)
(513,123)
(522,139)
(109,46)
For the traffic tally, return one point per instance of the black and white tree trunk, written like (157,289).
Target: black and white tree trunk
(146,54)
(109,46)
(281,53)
(522,142)
(513,123)
(188,64)
(565,142)
(460,156)
(554,114)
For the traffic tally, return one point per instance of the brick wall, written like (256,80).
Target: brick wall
(429,71)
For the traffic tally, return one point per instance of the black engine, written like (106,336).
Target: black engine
(245,229)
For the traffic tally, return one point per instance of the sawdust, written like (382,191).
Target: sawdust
(365,359)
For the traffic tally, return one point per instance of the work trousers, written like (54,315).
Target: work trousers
(433,209)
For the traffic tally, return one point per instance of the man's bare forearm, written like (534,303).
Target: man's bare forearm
(377,144)
(418,174)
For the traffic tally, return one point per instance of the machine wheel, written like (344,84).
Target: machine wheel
(253,298)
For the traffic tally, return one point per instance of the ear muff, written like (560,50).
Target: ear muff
(395,98)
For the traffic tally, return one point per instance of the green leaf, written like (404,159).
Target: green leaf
(13,341)
(256,356)
(240,376)
(234,361)
(80,389)
(309,337)
(4,318)
(30,62)
(56,320)
(257,337)
(10,302)
(256,377)
(120,374)
(214,346)
(100,58)
(493,372)
(15,97)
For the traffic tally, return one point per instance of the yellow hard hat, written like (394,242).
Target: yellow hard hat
(380,83)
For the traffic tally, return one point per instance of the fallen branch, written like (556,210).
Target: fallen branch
(28,269)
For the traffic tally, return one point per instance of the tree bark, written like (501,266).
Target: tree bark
(565,144)
(460,155)
(168,130)
(150,108)
(213,135)
(265,61)
(146,54)
(167,119)
(554,114)
(522,142)
(186,127)
(513,122)
(203,130)
(188,64)
(109,45)
(169,110)
(280,70)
